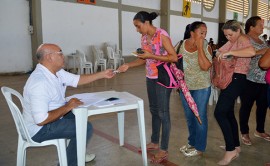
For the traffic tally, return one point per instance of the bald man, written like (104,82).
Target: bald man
(46,113)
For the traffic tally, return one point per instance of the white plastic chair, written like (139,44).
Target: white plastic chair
(99,59)
(118,53)
(84,65)
(24,140)
(114,58)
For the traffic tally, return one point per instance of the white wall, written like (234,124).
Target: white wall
(178,26)
(152,4)
(15,43)
(131,39)
(90,25)
(212,31)
(77,26)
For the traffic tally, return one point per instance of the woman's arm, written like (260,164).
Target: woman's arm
(247,52)
(244,52)
(261,51)
(264,62)
(135,63)
(88,78)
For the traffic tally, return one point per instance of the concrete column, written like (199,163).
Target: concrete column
(36,22)
(222,19)
(254,8)
(222,11)
(164,15)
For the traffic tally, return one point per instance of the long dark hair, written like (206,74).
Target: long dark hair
(143,16)
(252,21)
(192,27)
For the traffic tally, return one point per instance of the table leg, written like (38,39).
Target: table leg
(81,129)
(121,128)
(141,122)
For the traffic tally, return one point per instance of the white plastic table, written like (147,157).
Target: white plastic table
(131,103)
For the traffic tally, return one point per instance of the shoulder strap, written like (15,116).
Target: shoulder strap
(178,47)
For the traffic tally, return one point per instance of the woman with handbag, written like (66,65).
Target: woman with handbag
(156,46)
(256,87)
(197,60)
(239,46)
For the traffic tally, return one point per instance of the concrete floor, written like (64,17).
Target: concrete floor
(104,142)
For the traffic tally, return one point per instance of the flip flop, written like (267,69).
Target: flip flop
(159,159)
(246,140)
(224,162)
(265,136)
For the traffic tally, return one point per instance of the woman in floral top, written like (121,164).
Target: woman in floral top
(156,45)
(239,46)
(256,89)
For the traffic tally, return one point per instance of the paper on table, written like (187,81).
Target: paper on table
(87,98)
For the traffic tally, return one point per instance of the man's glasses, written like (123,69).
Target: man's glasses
(58,52)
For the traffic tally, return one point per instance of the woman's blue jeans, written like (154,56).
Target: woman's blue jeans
(159,101)
(63,128)
(197,133)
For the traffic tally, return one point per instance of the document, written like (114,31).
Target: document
(93,99)
(88,99)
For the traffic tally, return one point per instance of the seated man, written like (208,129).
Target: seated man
(46,113)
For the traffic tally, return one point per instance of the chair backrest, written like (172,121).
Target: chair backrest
(81,54)
(97,53)
(16,113)
(78,57)
(112,45)
(110,52)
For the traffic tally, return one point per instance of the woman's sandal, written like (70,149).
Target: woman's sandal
(159,159)
(149,148)
(246,140)
(264,136)
(225,162)
(267,164)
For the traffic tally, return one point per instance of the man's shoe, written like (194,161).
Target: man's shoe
(89,157)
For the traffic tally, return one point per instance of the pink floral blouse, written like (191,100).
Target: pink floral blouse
(242,64)
(155,47)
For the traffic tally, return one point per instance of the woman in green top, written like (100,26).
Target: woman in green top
(197,60)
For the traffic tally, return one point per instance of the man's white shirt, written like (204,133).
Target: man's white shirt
(45,92)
